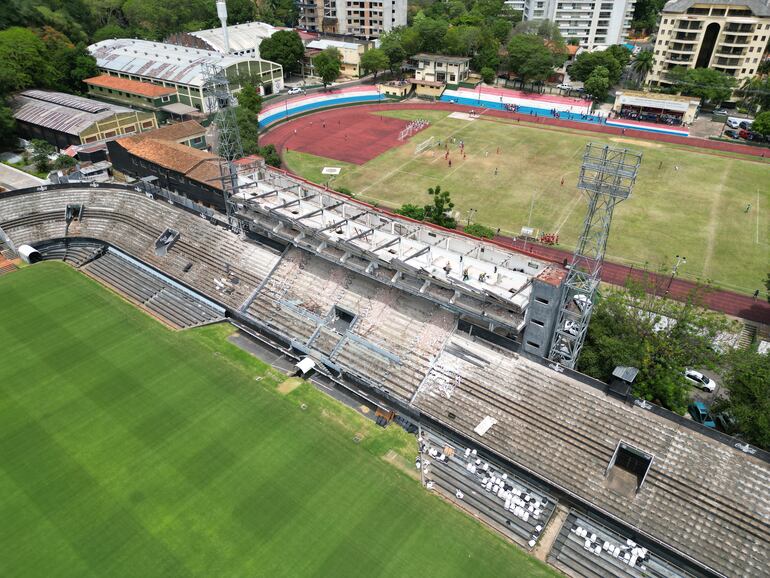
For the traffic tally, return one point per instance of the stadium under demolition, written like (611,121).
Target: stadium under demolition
(448,335)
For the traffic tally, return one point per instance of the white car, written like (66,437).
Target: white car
(733,122)
(295,90)
(699,380)
(565,87)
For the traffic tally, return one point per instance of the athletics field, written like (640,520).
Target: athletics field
(687,201)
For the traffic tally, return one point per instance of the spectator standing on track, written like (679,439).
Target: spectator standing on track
(756,294)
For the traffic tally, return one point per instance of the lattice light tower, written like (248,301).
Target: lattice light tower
(607,176)
(227,139)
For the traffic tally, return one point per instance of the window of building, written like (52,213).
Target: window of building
(165,99)
(541,300)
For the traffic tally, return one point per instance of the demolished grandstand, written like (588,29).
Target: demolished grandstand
(429,323)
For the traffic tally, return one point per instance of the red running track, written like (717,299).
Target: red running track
(351,135)
(728,302)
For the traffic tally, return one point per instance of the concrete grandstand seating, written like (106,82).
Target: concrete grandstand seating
(74,251)
(162,299)
(568,431)
(574,552)
(392,340)
(451,474)
(217,262)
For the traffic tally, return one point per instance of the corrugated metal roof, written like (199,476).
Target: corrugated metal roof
(62,112)
(160,61)
(242,37)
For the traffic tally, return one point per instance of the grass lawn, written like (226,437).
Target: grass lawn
(696,211)
(127,449)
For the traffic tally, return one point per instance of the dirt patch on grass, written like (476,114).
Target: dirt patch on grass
(635,142)
(402,464)
(289,385)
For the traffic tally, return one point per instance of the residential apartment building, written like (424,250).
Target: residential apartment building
(593,22)
(366,18)
(731,36)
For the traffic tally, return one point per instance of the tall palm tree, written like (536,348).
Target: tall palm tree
(643,64)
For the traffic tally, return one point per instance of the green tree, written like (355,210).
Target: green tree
(390,44)
(271,156)
(250,99)
(643,64)
(755,92)
(598,83)
(248,128)
(762,123)
(284,47)
(374,60)
(586,62)
(412,211)
(431,33)
(659,336)
(7,128)
(440,212)
(109,31)
(488,75)
(277,12)
(41,151)
(327,65)
(480,231)
(620,53)
(64,162)
(713,86)
(747,380)
(23,60)
(530,59)
(646,14)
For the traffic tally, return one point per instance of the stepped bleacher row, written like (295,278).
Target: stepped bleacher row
(215,261)
(697,488)
(514,506)
(587,548)
(391,339)
(701,498)
(175,306)
(74,251)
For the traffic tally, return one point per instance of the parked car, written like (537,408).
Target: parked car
(743,133)
(700,413)
(296,90)
(719,111)
(699,380)
(564,86)
(733,122)
(732,134)
(746,124)
(726,422)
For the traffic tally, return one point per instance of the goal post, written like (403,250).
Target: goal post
(424,145)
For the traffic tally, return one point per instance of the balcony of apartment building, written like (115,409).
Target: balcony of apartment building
(686,37)
(735,40)
(739,29)
(682,48)
(688,25)
(678,59)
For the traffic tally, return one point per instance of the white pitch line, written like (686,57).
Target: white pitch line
(757,241)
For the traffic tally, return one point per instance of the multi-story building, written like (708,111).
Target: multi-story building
(727,35)
(592,22)
(367,18)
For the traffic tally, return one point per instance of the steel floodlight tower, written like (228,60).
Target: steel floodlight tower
(228,146)
(607,176)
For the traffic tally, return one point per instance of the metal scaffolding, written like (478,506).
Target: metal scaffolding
(607,176)
(221,103)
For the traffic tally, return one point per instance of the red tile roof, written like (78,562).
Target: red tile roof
(130,86)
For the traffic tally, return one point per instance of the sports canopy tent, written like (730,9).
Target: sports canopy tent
(654,107)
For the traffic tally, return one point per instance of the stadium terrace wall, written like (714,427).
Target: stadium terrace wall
(317,101)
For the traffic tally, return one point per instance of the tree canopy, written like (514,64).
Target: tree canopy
(747,380)
(587,62)
(374,60)
(658,336)
(530,59)
(598,83)
(762,123)
(327,65)
(713,86)
(284,47)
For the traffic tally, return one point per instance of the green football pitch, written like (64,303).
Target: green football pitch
(686,202)
(127,449)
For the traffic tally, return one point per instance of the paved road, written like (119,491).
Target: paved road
(728,302)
